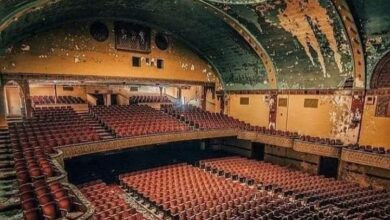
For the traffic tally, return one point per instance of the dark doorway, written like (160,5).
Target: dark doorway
(114,99)
(99,99)
(258,151)
(328,167)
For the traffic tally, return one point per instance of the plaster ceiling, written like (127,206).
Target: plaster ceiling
(305,39)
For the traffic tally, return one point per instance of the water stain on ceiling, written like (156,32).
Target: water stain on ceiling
(305,39)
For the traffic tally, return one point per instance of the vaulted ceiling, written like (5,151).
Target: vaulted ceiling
(253,44)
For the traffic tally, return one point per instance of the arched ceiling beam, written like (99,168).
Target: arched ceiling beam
(155,27)
(223,47)
(381,73)
(355,42)
(23,10)
(247,35)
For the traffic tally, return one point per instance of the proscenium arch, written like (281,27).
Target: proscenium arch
(206,33)
(157,28)
(381,73)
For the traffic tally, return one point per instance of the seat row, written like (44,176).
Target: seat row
(368,149)
(149,99)
(349,197)
(47,100)
(53,127)
(200,119)
(136,120)
(40,199)
(108,201)
(186,192)
(41,196)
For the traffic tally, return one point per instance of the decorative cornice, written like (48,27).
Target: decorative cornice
(317,149)
(247,135)
(365,158)
(126,143)
(250,39)
(378,92)
(6,76)
(275,140)
(354,42)
(297,92)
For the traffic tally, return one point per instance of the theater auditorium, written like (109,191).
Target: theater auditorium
(194,110)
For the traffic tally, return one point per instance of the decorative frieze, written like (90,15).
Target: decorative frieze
(112,79)
(366,158)
(117,144)
(247,135)
(317,149)
(276,140)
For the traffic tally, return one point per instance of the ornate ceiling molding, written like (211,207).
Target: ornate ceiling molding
(5,77)
(249,38)
(15,15)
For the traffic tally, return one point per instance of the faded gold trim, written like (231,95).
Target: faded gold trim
(126,143)
(6,76)
(317,149)
(276,140)
(365,158)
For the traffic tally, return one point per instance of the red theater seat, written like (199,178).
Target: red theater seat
(108,201)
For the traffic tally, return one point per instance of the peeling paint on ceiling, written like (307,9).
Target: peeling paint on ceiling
(305,39)
(374,27)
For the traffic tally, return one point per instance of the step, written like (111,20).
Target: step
(4,146)
(5,150)
(4,142)
(4,133)
(4,137)
(100,129)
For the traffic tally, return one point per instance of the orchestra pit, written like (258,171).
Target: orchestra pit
(195,110)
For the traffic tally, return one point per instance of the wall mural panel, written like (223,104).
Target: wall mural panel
(132,37)
(383,107)
(304,38)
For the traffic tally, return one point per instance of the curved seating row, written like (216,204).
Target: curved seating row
(53,127)
(355,201)
(203,120)
(149,99)
(48,100)
(41,198)
(136,120)
(186,192)
(108,201)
